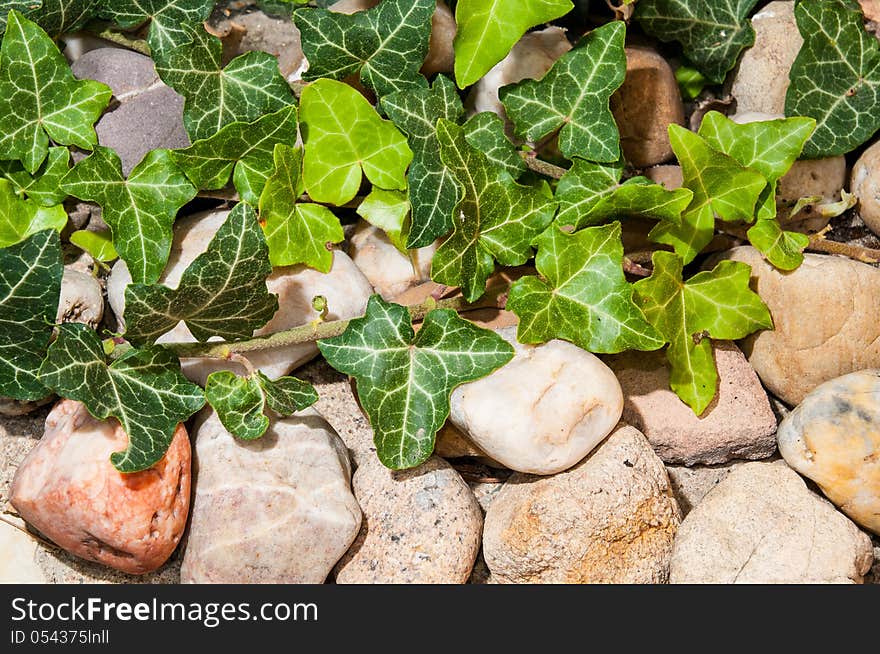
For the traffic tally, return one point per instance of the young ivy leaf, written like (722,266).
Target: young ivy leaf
(244,150)
(721,186)
(711,33)
(30,284)
(488,29)
(20,218)
(583,296)
(143,389)
(591,193)
(222,292)
(713,304)
(835,77)
(387,44)
(43,186)
(296,232)
(404,379)
(40,98)
(485,131)
(139,210)
(573,97)
(389,211)
(240,402)
(98,244)
(496,217)
(343,135)
(248,87)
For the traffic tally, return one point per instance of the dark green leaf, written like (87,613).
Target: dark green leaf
(171,21)
(485,131)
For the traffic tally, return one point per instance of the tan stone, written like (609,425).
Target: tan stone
(389,271)
(865,184)
(667,175)
(18,557)
(441,56)
(819,178)
(81,300)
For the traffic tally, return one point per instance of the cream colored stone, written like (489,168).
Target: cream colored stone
(18,557)
(865,184)
(667,175)
(82,299)
(441,56)
(388,270)
(352,6)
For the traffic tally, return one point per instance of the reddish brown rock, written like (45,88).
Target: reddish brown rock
(68,490)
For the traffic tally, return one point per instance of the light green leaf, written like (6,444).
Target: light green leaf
(582,295)
(404,379)
(296,232)
(432,190)
(573,97)
(139,210)
(343,135)
(241,402)
(590,194)
(714,304)
(248,87)
(835,77)
(169,20)
(488,29)
(387,210)
(386,44)
(19,218)
(783,249)
(143,389)
(244,150)
(496,218)
(711,33)
(43,186)
(222,292)
(485,131)
(98,244)
(40,99)
(691,82)
(30,284)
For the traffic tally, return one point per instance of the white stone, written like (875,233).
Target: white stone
(389,270)
(18,557)
(82,299)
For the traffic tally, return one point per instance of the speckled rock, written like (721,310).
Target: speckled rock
(67,488)
(763,525)
(610,519)
(865,184)
(388,270)
(18,557)
(82,299)
(833,437)
(542,412)
(288,495)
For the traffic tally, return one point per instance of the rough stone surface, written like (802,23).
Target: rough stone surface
(690,484)
(833,437)
(738,424)
(82,299)
(865,184)
(763,525)
(67,489)
(288,494)
(388,270)
(542,412)
(610,519)
(18,557)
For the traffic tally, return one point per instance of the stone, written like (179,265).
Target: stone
(761,79)
(82,299)
(833,437)
(763,525)
(345,287)
(667,175)
(738,424)
(388,270)
(288,494)
(11,407)
(865,185)
(421,526)
(441,56)
(67,488)
(18,557)
(645,105)
(149,114)
(542,412)
(827,322)
(690,484)
(352,6)
(610,519)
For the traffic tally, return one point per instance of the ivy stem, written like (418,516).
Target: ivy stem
(818,243)
(120,38)
(542,167)
(243,361)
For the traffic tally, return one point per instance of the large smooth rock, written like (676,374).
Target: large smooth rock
(826,318)
(287,495)
(388,270)
(738,424)
(763,525)
(833,437)
(542,412)
(865,184)
(610,519)
(67,488)
(81,300)
(18,557)
(345,288)
(441,55)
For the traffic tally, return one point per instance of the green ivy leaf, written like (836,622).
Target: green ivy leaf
(30,284)
(54,16)
(711,33)
(43,186)
(496,218)
(835,77)
(389,211)
(99,245)
(582,295)
(591,193)
(432,190)
(404,379)
(296,232)
(143,389)
(244,150)
(343,135)
(222,292)
(488,29)
(248,87)
(139,210)
(19,218)
(713,304)
(691,82)
(386,44)
(783,249)
(39,97)
(573,97)
(485,131)
(240,402)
